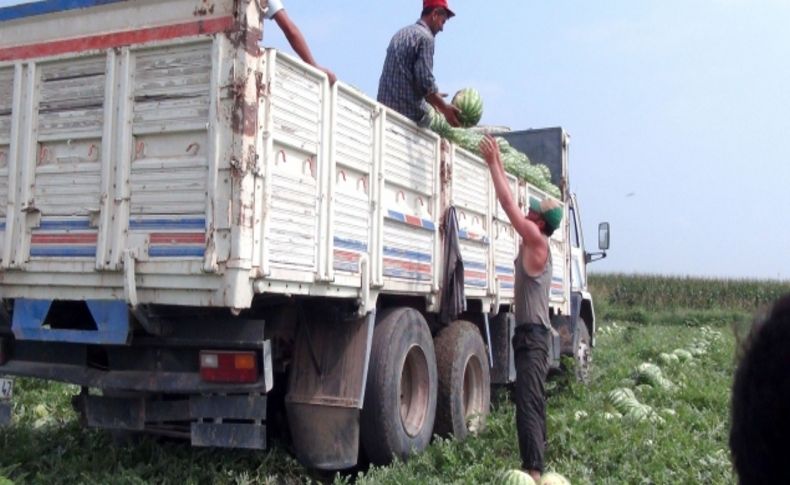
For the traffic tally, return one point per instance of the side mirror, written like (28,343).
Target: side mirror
(603,236)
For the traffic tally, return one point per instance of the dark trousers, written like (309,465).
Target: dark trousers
(531,354)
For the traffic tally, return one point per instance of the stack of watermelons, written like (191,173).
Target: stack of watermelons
(470,105)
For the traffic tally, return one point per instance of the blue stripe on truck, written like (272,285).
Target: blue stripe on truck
(48,6)
(141,224)
(110,316)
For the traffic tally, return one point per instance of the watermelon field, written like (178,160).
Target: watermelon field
(676,434)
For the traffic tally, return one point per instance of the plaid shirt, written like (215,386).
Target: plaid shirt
(407,77)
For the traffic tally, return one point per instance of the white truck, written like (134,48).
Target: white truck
(210,240)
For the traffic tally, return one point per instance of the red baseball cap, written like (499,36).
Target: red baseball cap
(438,3)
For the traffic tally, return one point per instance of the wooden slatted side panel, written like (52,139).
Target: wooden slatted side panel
(354,137)
(68,167)
(298,106)
(409,200)
(472,198)
(171,87)
(6,100)
(170,150)
(505,250)
(505,245)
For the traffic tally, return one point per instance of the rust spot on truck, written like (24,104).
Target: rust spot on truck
(244,115)
(205,9)
(247,216)
(246,38)
(244,118)
(242,34)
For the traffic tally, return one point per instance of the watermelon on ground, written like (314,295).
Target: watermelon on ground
(470,104)
(515,477)
(553,478)
(683,354)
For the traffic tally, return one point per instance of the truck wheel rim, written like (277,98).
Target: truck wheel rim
(473,393)
(414,391)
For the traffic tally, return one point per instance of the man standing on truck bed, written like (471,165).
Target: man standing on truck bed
(531,298)
(407,80)
(275,10)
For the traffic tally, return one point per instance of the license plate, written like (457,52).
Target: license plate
(6,389)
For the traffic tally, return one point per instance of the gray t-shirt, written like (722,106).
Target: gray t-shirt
(531,293)
(272,8)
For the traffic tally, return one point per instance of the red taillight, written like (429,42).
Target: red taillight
(226,366)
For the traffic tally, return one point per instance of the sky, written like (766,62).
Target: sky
(678,111)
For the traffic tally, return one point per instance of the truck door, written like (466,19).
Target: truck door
(578,267)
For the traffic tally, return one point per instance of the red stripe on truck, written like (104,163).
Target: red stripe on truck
(177,238)
(116,39)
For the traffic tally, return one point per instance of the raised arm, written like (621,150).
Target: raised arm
(528,230)
(298,42)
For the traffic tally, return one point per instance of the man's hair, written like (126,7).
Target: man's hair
(761,401)
(429,10)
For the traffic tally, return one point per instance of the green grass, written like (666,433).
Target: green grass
(46,444)
(690,447)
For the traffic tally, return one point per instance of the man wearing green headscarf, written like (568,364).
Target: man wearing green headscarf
(531,299)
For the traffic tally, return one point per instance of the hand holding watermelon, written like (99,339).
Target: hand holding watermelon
(451,113)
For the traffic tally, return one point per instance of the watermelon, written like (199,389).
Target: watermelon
(683,354)
(668,358)
(515,162)
(466,139)
(439,123)
(641,388)
(624,400)
(697,350)
(553,478)
(470,104)
(668,412)
(515,477)
(648,373)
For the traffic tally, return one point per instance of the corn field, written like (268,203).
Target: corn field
(659,293)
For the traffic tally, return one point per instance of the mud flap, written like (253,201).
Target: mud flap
(503,369)
(326,390)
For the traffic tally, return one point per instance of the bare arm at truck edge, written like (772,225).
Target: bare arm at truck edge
(298,42)
(531,235)
(447,109)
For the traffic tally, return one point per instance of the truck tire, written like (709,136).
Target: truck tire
(582,352)
(400,396)
(464,398)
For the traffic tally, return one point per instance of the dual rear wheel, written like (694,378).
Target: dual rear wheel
(418,385)
(464,380)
